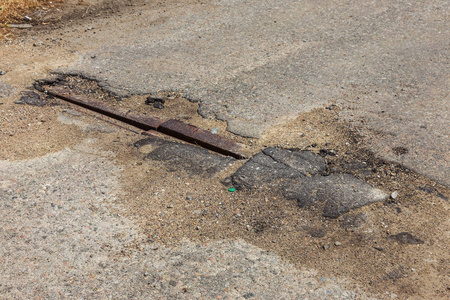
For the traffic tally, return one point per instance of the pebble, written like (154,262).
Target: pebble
(337,243)
(152,100)
(170,206)
(2,72)
(158,105)
(215,130)
(394,195)
(325,247)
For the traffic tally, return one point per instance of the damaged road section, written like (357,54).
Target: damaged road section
(338,193)
(302,176)
(190,158)
(173,128)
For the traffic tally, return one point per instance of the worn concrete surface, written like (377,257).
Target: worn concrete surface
(256,63)
(65,237)
(63,229)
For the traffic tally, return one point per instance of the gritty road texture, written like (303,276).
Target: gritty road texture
(342,107)
(62,238)
(256,63)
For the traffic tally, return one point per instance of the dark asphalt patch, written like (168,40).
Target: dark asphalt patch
(273,165)
(338,193)
(192,159)
(32,98)
(302,176)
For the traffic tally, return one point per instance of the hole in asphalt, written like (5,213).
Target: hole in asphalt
(310,154)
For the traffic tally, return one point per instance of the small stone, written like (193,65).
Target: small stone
(325,247)
(215,130)
(158,105)
(189,198)
(337,243)
(248,295)
(394,195)
(170,206)
(325,152)
(2,72)
(151,100)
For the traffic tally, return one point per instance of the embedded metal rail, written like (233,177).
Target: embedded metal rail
(171,127)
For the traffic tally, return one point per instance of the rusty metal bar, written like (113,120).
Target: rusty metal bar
(203,138)
(173,128)
(142,122)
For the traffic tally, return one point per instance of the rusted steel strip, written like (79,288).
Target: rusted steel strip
(201,137)
(171,127)
(142,122)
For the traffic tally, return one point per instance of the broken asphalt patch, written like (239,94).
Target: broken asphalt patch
(300,175)
(190,158)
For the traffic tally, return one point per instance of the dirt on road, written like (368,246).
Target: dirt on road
(394,248)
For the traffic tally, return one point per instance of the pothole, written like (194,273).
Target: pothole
(175,106)
(172,200)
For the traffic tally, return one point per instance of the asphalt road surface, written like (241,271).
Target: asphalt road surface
(257,63)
